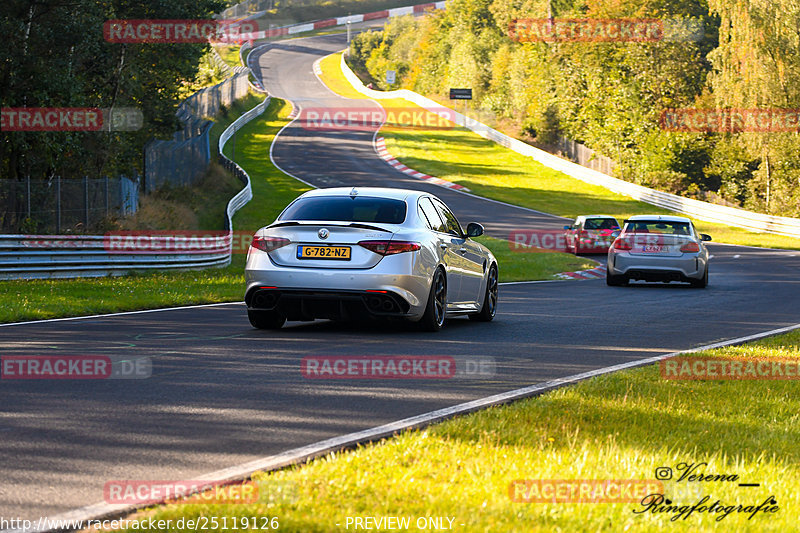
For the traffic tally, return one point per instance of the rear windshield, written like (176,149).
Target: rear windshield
(601,223)
(347,209)
(659,227)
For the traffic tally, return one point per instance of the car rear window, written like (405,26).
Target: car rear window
(601,223)
(658,227)
(347,209)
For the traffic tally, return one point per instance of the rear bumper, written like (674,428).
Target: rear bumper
(308,304)
(307,293)
(686,268)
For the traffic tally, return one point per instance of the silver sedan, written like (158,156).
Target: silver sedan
(658,248)
(384,253)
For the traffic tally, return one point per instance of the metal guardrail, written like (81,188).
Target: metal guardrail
(69,256)
(246,194)
(700,210)
(66,256)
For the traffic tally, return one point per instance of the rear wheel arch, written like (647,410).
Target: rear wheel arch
(433,319)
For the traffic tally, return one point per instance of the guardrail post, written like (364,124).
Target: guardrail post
(28,197)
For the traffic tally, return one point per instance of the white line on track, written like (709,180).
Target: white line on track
(243,471)
(759,248)
(117,314)
(122,313)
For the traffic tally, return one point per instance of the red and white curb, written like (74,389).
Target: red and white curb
(594,273)
(335,22)
(383,153)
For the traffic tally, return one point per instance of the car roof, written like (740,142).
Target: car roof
(598,216)
(380,192)
(654,218)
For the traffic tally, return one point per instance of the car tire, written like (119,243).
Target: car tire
(266,319)
(489,308)
(436,309)
(615,281)
(702,282)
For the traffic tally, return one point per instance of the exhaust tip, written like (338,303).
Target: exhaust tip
(265,299)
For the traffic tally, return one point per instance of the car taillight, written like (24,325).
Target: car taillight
(690,247)
(390,247)
(622,244)
(268,244)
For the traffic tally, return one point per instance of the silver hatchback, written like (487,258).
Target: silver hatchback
(369,252)
(658,248)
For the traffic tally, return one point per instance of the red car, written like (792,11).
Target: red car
(591,234)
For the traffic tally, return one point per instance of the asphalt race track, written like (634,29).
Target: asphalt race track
(222,393)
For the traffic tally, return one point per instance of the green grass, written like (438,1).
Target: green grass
(40,299)
(523,266)
(272,189)
(488,169)
(229,54)
(226,117)
(618,426)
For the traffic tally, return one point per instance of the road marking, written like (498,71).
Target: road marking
(238,473)
(64,319)
(296,112)
(737,256)
(753,247)
(121,313)
(532,281)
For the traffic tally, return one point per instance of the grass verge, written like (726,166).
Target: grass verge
(621,426)
(518,266)
(229,54)
(491,170)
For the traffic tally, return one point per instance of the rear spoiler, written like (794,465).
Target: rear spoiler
(358,225)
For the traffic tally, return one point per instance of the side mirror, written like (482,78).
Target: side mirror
(474,229)
(567,227)
(704,237)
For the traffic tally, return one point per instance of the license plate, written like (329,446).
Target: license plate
(654,249)
(341,253)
